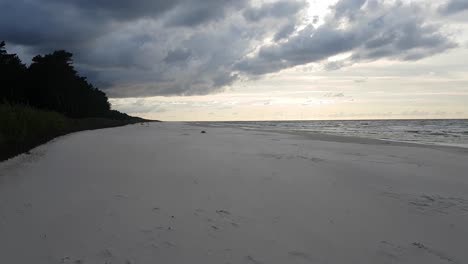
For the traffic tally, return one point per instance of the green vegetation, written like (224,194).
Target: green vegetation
(47,99)
(51,83)
(24,127)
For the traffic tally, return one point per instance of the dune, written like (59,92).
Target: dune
(167,193)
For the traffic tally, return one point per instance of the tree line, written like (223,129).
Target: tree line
(51,82)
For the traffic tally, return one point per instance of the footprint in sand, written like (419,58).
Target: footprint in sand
(438,204)
(442,256)
(224,221)
(251,259)
(413,253)
(169,244)
(431,204)
(301,255)
(121,196)
(223,212)
(67,260)
(106,253)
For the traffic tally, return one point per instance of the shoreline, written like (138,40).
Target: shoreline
(320,136)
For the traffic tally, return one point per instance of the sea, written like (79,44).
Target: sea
(448,132)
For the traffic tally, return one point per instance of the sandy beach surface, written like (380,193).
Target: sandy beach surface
(167,193)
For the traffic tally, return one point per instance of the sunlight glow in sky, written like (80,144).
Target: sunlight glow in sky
(435,87)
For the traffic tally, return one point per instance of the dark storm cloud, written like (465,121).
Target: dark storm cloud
(165,47)
(120,9)
(308,46)
(454,6)
(75,22)
(177,56)
(46,24)
(193,13)
(369,30)
(278,9)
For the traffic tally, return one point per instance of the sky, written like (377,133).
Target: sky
(191,60)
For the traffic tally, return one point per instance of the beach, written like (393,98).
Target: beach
(167,193)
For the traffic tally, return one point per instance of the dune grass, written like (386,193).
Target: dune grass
(23,127)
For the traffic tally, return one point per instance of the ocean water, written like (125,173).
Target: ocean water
(434,132)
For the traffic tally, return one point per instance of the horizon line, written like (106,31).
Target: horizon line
(300,120)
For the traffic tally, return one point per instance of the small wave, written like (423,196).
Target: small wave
(424,132)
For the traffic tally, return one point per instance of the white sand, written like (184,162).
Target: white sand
(165,193)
